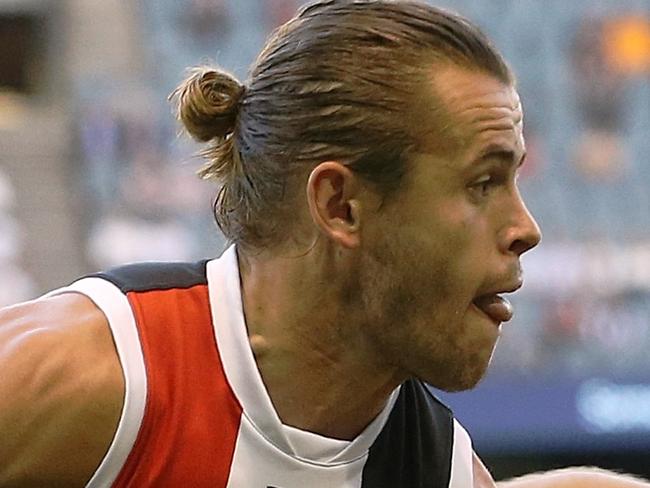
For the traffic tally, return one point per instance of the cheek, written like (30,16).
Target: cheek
(461,219)
(462,230)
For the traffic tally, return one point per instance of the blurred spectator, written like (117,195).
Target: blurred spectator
(627,44)
(125,238)
(205,20)
(100,140)
(600,97)
(157,209)
(599,156)
(16,285)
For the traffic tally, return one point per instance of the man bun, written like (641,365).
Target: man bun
(208,103)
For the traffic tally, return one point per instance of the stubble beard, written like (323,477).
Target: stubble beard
(405,309)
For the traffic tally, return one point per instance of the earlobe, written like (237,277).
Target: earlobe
(333,203)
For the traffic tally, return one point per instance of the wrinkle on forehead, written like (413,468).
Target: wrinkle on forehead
(475,104)
(493,112)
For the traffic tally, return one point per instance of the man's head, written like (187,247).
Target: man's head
(385,135)
(344,80)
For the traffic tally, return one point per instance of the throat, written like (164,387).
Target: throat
(314,395)
(320,374)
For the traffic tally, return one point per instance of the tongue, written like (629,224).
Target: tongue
(496,307)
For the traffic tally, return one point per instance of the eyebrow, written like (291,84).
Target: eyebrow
(505,156)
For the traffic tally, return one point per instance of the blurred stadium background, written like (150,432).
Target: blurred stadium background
(92,173)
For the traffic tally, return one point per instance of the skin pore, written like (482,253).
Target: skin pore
(403,275)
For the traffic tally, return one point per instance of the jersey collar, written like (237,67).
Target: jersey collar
(224,284)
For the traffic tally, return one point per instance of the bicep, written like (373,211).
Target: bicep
(61,392)
(578,477)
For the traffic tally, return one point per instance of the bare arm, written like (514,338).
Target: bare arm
(582,477)
(61,392)
(482,477)
(576,478)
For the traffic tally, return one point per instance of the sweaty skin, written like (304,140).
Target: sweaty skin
(61,392)
(586,477)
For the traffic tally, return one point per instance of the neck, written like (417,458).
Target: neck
(320,373)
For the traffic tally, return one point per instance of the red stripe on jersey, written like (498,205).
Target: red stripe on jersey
(191,418)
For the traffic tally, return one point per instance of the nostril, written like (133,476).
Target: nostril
(520,246)
(525,236)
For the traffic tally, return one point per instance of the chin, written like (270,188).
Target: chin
(459,377)
(463,384)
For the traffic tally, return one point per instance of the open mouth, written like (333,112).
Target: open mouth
(497,308)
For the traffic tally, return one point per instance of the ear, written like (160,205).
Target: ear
(332,195)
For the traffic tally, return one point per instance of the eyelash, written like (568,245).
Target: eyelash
(485,184)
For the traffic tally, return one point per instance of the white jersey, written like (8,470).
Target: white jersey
(196,411)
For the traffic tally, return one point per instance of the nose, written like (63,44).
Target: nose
(523,233)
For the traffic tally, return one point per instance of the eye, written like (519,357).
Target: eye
(483,185)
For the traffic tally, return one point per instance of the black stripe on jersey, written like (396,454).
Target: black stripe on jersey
(155,276)
(415,447)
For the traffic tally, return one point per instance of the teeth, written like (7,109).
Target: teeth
(496,307)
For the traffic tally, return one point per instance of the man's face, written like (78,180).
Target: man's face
(438,256)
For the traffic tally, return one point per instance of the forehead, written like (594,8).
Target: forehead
(477,110)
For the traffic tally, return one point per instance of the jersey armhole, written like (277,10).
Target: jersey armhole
(462,468)
(115,306)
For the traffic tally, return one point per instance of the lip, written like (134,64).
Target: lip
(492,305)
(509,287)
(497,323)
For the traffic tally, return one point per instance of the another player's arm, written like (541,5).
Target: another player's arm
(61,392)
(582,477)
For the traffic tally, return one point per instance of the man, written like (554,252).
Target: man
(368,183)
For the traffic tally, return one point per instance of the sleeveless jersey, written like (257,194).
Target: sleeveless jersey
(196,412)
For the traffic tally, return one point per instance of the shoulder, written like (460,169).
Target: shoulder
(61,391)
(156,276)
